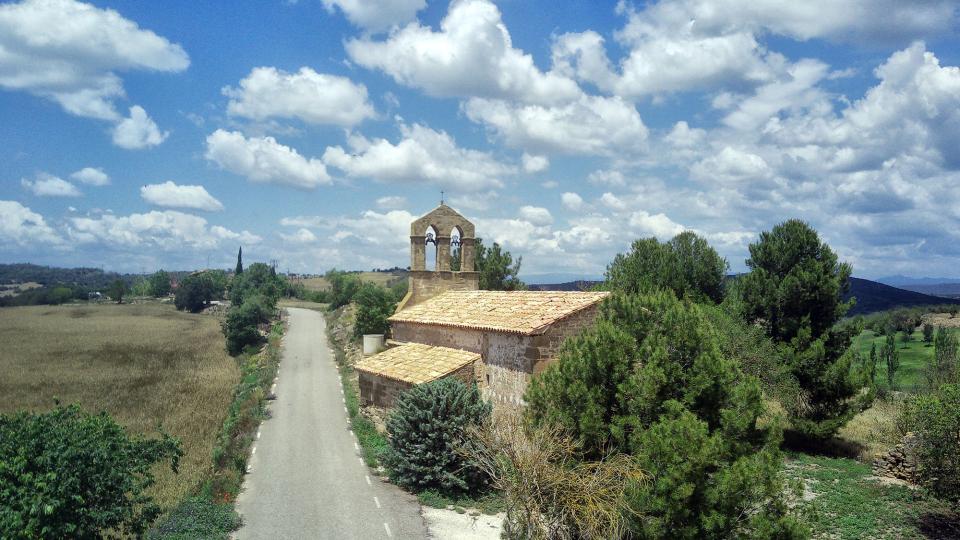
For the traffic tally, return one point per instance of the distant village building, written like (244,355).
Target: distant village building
(446,327)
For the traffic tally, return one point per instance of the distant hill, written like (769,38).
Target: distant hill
(907,282)
(943,290)
(47,275)
(871,295)
(874,296)
(578,285)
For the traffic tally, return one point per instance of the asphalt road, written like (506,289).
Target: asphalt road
(306,477)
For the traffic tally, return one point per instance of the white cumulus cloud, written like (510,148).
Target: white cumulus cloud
(315,98)
(422,155)
(91,176)
(47,185)
(138,131)
(376,15)
(591,125)
(70,52)
(171,195)
(536,215)
(535,164)
(168,230)
(471,55)
(263,159)
(21,226)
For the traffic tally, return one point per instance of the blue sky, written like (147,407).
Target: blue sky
(140,135)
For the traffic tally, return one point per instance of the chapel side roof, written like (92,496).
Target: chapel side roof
(416,363)
(516,312)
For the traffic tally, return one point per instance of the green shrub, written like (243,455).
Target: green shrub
(69,474)
(374,305)
(241,326)
(258,278)
(194,292)
(197,517)
(648,379)
(343,287)
(927,333)
(935,420)
(425,428)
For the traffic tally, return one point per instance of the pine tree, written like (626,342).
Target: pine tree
(795,289)
(239,269)
(648,379)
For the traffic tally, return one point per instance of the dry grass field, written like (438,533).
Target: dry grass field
(146,365)
(379,278)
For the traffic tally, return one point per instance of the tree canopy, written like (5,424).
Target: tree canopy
(498,270)
(686,264)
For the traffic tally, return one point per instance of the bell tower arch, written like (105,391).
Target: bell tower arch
(445,231)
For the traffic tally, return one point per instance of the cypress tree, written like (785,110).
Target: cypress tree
(239,269)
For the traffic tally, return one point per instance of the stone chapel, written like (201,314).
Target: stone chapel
(447,327)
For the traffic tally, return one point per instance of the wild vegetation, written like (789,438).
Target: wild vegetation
(149,367)
(69,474)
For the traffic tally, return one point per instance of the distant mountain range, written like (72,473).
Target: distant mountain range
(901,281)
(871,295)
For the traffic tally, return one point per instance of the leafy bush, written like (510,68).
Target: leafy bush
(343,287)
(194,292)
(928,333)
(69,474)
(648,379)
(241,326)
(197,517)
(258,278)
(374,305)
(159,283)
(935,420)
(425,429)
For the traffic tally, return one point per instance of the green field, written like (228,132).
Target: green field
(914,356)
(841,499)
(147,365)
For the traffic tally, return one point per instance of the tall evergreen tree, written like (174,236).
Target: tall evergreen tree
(795,289)
(648,379)
(892,357)
(239,269)
(498,270)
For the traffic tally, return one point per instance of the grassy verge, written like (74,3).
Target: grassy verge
(210,513)
(842,499)
(372,442)
(489,503)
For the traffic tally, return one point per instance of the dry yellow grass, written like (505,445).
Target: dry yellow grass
(146,365)
(378,278)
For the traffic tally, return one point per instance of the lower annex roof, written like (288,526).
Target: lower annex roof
(416,363)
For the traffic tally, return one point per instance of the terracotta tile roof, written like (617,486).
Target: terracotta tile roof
(416,363)
(518,312)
